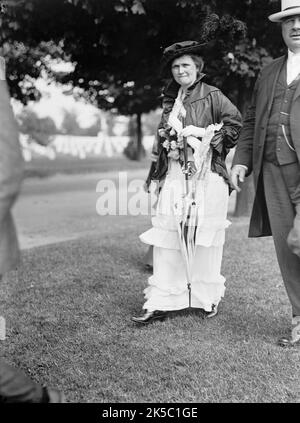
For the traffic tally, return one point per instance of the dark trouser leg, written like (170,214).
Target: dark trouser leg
(15,386)
(278,181)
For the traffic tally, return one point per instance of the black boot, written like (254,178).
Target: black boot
(150,316)
(293,340)
(212,313)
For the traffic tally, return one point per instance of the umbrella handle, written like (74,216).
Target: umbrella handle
(190,294)
(185,159)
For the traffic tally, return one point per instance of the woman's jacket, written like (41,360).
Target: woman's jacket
(205,105)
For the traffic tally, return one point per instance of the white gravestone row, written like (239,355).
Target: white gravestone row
(79,147)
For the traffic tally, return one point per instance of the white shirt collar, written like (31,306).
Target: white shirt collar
(293,66)
(293,57)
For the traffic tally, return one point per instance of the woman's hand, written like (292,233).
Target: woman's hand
(146,187)
(193,131)
(190,170)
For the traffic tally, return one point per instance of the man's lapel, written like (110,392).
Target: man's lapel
(297,92)
(272,79)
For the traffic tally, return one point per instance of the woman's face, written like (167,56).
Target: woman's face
(184,71)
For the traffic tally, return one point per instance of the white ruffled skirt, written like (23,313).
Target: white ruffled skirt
(167,287)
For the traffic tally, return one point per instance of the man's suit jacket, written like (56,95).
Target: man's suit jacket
(250,147)
(11,175)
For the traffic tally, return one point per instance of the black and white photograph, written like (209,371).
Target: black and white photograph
(149,205)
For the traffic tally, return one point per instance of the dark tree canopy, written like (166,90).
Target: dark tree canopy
(116,45)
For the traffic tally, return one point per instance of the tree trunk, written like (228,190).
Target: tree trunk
(139,136)
(245,198)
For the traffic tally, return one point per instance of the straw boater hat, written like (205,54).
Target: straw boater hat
(288,8)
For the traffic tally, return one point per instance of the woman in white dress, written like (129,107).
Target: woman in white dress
(206,118)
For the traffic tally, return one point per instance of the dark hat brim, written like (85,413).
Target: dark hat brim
(172,55)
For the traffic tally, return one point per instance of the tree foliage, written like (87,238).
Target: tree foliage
(38,129)
(116,45)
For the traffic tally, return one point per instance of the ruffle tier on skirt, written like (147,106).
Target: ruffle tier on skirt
(167,287)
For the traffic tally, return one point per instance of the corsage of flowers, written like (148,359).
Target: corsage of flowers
(172,143)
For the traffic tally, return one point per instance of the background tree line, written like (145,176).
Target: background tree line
(116,46)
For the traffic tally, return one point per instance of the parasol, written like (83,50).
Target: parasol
(189,212)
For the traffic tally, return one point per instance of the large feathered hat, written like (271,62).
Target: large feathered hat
(180,49)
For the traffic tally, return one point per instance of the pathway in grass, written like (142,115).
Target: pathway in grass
(68,312)
(63,207)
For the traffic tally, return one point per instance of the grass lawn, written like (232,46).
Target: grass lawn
(68,312)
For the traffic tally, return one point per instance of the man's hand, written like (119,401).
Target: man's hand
(193,131)
(293,239)
(237,175)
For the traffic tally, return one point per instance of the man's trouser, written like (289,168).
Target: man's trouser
(15,386)
(281,186)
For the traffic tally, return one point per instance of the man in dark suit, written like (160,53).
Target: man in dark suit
(15,386)
(11,175)
(269,146)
